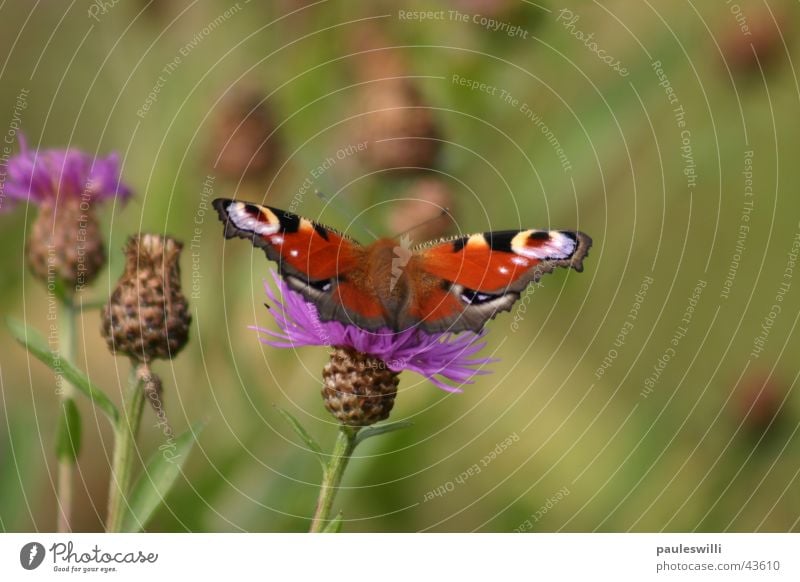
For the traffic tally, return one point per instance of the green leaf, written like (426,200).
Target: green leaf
(33,341)
(303,434)
(334,525)
(376,429)
(159,476)
(68,438)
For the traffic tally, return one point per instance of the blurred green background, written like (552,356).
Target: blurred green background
(712,446)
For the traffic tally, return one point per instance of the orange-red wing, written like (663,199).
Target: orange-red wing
(303,248)
(433,304)
(483,274)
(492,261)
(322,265)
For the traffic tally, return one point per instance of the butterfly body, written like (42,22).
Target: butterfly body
(450,285)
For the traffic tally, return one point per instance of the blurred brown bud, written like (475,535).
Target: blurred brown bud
(147,315)
(243,142)
(423,209)
(753,38)
(759,403)
(399,128)
(65,245)
(373,56)
(395,121)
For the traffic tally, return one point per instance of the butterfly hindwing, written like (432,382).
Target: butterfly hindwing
(480,275)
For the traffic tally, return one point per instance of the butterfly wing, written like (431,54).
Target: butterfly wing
(466,281)
(326,267)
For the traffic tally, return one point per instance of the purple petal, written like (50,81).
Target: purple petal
(43,176)
(440,357)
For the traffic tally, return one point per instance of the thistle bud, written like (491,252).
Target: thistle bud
(358,389)
(147,316)
(65,248)
(66,245)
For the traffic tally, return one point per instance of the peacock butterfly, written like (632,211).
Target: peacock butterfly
(450,285)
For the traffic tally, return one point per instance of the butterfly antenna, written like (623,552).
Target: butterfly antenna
(444,212)
(346,212)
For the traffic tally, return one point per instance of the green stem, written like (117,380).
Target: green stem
(124,451)
(332,476)
(67,345)
(93,304)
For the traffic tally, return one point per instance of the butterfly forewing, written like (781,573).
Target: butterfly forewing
(455,285)
(483,274)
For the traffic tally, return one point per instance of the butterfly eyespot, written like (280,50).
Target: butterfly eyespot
(323,286)
(308,286)
(471,297)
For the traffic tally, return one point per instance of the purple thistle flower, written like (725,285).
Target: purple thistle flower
(41,177)
(432,355)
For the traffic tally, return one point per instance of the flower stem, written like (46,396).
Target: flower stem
(124,451)
(66,462)
(332,475)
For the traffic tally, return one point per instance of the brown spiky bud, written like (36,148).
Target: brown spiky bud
(243,141)
(358,390)
(65,245)
(427,209)
(147,315)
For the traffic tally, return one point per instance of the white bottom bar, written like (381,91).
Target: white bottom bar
(400,557)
